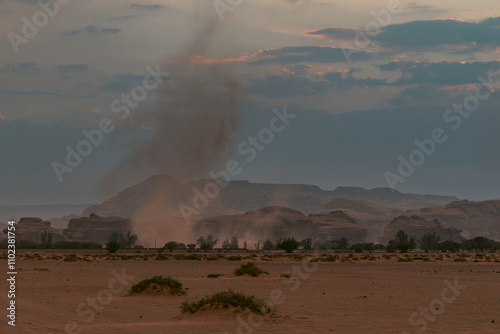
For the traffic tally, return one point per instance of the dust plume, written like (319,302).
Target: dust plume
(195,118)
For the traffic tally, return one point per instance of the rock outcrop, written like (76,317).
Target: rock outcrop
(336,225)
(374,217)
(32,228)
(417,226)
(280,222)
(473,218)
(96,229)
(268,223)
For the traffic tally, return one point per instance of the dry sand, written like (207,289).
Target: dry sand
(362,297)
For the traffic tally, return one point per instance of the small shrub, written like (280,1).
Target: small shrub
(286,275)
(158,285)
(214,275)
(74,258)
(234,258)
(226,299)
(161,257)
(249,269)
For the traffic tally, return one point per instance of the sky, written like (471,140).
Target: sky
(400,94)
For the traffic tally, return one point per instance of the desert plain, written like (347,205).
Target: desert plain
(88,292)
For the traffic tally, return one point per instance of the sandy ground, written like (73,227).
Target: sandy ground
(362,297)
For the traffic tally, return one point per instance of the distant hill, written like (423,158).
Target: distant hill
(391,197)
(163,194)
(473,218)
(278,222)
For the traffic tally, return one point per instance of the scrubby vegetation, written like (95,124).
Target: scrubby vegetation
(249,269)
(226,299)
(158,285)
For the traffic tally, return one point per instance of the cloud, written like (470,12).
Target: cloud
(287,86)
(438,34)
(122,82)
(78,68)
(30,93)
(441,33)
(146,7)
(292,85)
(300,54)
(93,30)
(443,73)
(21,67)
(346,34)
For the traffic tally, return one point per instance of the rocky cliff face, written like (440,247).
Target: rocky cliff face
(474,218)
(96,229)
(32,228)
(161,195)
(417,226)
(267,223)
(280,222)
(337,224)
(374,217)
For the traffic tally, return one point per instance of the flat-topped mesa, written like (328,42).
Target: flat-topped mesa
(96,229)
(32,228)
(417,226)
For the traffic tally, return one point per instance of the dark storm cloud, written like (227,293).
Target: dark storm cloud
(298,54)
(21,67)
(440,34)
(335,33)
(293,85)
(444,73)
(67,68)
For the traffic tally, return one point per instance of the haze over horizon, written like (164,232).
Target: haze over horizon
(354,119)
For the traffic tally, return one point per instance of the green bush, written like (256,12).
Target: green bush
(158,285)
(214,275)
(249,269)
(226,299)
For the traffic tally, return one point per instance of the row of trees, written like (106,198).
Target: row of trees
(402,242)
(431,243)
(119,240)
